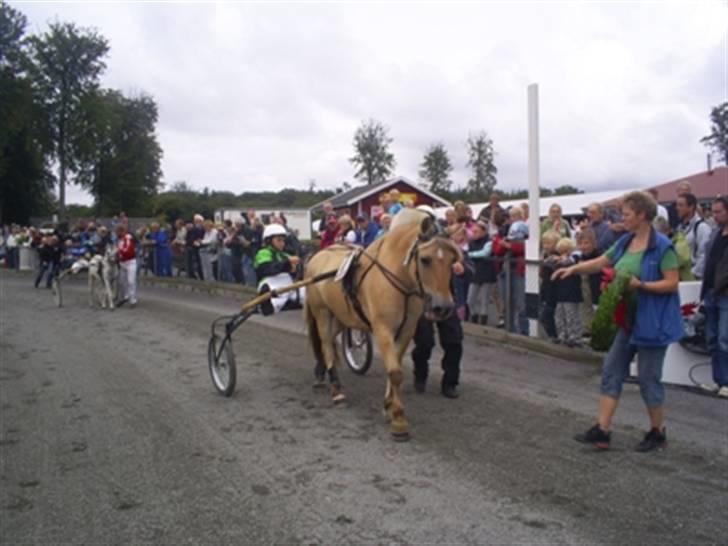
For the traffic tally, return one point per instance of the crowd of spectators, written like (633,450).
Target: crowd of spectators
(493,242)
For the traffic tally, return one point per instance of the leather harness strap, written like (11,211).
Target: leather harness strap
(350,287)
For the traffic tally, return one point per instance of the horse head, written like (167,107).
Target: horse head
(433,258)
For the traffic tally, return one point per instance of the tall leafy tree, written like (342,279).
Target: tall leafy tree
(25,179)
(118,156)
(481,159)
(372,158)
(717,140)
(66,63)
(436,168)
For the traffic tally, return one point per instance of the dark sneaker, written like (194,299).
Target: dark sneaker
(420,386)
(653,440)
(266,308)
(596,436)
(450,391)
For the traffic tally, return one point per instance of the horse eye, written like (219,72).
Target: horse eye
(425,260)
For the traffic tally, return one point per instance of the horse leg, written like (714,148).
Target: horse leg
(91,282)
(399,427)
(109,298)
(331,356)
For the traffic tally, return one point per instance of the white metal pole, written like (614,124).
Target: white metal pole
(534,221)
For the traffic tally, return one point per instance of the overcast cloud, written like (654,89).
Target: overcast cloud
(269,95)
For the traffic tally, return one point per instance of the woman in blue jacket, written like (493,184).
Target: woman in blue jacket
(653,319)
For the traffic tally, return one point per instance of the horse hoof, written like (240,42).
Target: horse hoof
(400,436)
(319,385)
(338,398)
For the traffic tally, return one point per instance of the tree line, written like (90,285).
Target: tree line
(60,125)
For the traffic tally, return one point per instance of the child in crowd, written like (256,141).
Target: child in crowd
(568,297)
(590,284)
(518,230)
(549,259)
(460,282)
(483,283)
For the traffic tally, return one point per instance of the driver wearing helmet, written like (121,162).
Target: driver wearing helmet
(275,269)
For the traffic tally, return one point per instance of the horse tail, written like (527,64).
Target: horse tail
(313,333)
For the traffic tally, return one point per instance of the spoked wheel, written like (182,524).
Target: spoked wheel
(221,361)
(56,290)
(358,351)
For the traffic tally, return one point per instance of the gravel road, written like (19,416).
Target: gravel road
(111,432)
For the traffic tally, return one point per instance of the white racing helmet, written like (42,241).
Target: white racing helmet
(272,230)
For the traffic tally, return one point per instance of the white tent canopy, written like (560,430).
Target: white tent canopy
(571,205)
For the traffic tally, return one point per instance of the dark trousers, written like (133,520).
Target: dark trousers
(450,332)
(548,320)
(49,267)
(193,263)
(238,268)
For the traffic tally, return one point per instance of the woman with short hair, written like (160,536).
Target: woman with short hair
(652,319)
(555,222)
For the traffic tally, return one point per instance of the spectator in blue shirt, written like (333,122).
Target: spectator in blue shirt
(366,231)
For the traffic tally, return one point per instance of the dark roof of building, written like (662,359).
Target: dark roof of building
(706,185)
(356,194)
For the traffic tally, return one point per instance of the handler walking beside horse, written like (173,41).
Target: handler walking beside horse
(387,289)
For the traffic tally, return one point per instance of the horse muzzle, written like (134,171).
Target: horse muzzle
(438,308)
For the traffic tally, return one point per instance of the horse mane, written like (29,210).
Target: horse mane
(407,216)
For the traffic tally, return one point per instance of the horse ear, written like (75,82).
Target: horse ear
(426,225)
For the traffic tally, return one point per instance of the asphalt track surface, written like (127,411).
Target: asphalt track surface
(111,432)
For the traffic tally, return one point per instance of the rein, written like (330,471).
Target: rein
(393,279)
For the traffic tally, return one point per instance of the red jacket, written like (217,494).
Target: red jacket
(328,237)
(126,248)
(518,253)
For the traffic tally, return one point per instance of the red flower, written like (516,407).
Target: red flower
(688,309)
(620,315)
(608,275)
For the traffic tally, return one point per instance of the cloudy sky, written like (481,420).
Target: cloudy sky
(268,95)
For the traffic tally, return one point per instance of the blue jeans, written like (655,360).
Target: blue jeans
(716,334)
(225,263)
(650,362)
(248,271)
(517,305)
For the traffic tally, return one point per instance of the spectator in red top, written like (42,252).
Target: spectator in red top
(328,237)
(126,250)
(516,250)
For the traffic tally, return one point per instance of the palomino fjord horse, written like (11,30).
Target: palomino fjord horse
(397,278)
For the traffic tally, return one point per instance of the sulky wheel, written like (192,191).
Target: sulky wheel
(221,361)
(357,348)
(56,290)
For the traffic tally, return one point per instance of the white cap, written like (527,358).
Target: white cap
(272,230)
(427,208)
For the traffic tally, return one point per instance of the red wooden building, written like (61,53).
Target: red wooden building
(366,199)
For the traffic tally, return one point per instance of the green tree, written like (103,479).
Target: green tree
(717,140)
(481,159)
(118,153)
(25,179)
(567,189)
(436,168)
(65,63)
(372,158)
